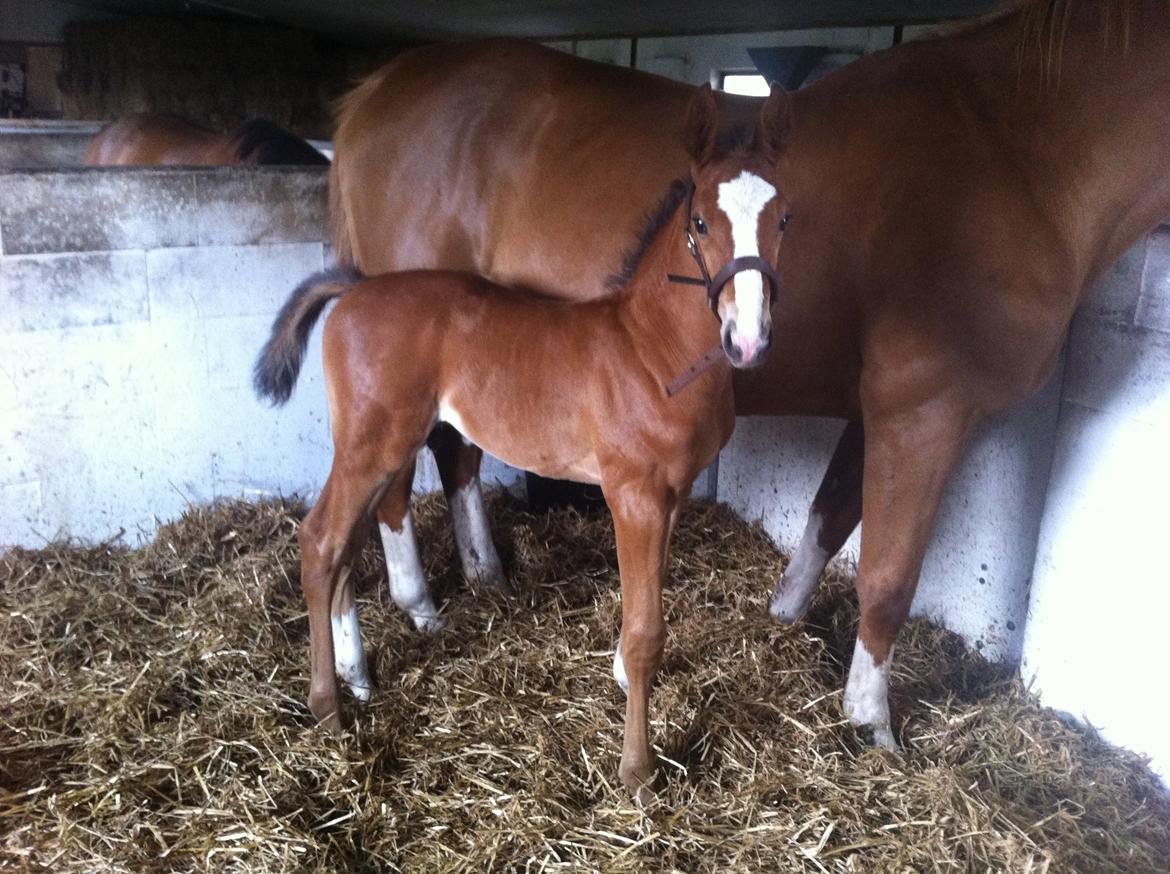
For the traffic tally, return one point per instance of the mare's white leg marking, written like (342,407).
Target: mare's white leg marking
(408,583)
(742,199)
(473,536)
(800,578)
(619,667)
(349,659)
(867,700)
(477,552)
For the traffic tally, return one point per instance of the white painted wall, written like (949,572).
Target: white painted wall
(1096,634)
(132,306)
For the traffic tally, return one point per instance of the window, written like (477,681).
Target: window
(752,84)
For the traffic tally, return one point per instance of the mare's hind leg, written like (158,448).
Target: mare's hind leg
(408,581)
(458,462)
(835,512)
(327,538)
(910,453)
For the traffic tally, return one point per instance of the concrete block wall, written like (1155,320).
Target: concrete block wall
(26,143)
(44,143)
(132,305)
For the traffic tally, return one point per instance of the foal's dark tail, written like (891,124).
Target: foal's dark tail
(276,369)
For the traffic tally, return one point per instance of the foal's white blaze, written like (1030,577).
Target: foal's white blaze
(742,199)
(473,537)
(867,699)
(408,583)
(802,574)
(349,659)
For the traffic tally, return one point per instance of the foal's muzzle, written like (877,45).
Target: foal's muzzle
(744,354)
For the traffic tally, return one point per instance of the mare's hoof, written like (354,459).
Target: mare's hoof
(884,738)
(879,736)
(496,581)
(785,607)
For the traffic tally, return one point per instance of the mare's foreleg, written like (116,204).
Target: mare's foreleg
(643,516)
(910,453)
(835,512)
(458,462)
(408,582)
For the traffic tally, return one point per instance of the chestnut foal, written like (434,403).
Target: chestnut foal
(584,391)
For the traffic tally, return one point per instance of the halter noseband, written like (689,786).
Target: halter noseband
(714,288)
(727,271)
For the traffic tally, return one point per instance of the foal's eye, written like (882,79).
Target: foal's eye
(700,226)
(784,221)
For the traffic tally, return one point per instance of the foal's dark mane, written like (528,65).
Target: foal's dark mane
(656,220)
(265,142)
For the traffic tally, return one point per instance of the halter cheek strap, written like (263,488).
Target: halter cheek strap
(714,288)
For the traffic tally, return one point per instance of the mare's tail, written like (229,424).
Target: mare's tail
(276,370)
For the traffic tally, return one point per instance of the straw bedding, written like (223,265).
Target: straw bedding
(153,720)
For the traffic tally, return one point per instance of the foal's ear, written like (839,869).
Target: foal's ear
(702,125)
(775,122)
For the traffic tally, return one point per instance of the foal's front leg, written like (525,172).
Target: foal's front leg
(642,515)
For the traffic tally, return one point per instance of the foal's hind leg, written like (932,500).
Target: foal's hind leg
(349,657)
(327,537)
(458,462)
(408,582)
(834,514)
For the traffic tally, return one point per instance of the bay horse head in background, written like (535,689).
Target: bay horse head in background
(589,392)
(145,139)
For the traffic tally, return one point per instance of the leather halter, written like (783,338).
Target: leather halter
(714,288)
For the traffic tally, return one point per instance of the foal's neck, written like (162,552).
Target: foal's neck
(674,318)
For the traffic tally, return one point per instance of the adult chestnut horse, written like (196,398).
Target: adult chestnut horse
(154,138)
(952,200)
(586,392)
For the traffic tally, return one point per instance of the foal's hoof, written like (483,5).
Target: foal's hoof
(328,716)
(640,783)
(428,624)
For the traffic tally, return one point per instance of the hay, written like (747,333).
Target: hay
(153,720)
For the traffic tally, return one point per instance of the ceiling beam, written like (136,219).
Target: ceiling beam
(374,21)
